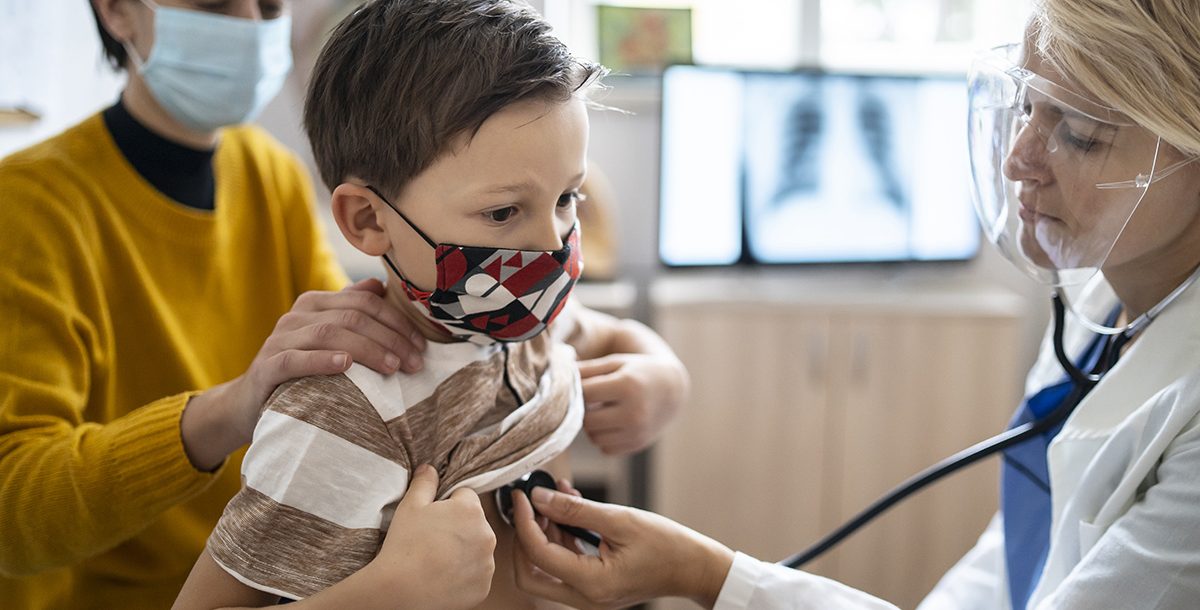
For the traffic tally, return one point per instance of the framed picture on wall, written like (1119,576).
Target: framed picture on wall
(643,41)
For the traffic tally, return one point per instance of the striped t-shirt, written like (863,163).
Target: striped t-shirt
(331,456)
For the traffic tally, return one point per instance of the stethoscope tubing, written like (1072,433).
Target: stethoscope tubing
(1083,383)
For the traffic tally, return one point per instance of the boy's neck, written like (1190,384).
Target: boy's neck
(395,295)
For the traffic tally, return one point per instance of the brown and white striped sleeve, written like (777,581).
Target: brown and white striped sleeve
(321,479)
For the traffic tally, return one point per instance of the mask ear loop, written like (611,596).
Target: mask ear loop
(387,259)
(432,244)
(130,51)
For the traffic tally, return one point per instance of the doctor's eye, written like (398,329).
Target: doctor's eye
(1080,143)
(1084,138)
(501,215)
(571,198)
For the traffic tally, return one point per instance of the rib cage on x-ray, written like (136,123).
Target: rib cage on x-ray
(805,126)
(812,167)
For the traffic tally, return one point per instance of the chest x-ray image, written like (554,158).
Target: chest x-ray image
(812,168)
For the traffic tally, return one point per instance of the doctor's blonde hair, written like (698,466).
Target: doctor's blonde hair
(1141,57)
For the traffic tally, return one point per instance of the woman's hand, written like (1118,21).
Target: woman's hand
(643,555)
(322,335)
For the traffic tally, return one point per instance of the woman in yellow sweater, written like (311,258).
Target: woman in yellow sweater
(148,253)
(162,273)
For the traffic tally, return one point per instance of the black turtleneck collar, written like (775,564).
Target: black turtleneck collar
(181,173)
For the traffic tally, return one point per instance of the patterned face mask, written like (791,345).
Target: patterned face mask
(484,295)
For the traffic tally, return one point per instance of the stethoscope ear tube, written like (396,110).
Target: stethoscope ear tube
(1083,383)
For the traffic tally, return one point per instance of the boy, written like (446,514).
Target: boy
(453,137)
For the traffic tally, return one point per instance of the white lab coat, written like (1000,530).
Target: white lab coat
(1125,488)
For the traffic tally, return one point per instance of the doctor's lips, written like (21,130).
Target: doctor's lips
(1029,213)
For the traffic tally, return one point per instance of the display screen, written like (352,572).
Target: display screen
(802,167)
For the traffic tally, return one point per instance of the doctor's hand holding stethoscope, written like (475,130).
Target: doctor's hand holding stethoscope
(1083,145)
(643,556)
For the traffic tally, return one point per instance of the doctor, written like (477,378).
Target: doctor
(1084,144)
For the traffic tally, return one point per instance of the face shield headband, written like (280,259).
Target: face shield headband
(1056,176)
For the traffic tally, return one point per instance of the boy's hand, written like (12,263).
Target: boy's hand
(436,554)
(630,398)
(322,335)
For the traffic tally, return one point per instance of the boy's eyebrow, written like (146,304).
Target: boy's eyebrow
(524,185)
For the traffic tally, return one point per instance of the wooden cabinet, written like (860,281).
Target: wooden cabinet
(596,475)
(807,406)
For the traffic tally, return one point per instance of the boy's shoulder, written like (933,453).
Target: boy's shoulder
(332,404)
(328,392)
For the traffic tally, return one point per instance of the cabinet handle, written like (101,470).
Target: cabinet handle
(816,359)
(860,367)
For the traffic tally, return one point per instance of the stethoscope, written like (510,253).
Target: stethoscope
(1115,342)
(587,541)
(1083,383)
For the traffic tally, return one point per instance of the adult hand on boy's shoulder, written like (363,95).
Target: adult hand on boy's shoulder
(631,397)
(437,554)
(323,334)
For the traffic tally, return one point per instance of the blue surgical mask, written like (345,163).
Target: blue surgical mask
(208,71)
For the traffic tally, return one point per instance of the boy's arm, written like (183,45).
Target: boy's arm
(208,586)
(633,383)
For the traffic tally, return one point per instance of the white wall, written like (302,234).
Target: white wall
(50,59)
(625,146)
(70,76)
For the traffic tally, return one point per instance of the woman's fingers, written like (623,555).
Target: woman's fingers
(538,583)
(576,510)
(295,363)
(556,560)
(367,341)
(363,312)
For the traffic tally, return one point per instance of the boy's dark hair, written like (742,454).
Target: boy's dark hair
(114,51)
(399,80)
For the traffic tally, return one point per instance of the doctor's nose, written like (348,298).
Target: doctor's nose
(1027,160)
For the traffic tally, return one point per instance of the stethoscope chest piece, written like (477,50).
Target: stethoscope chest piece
(587,541)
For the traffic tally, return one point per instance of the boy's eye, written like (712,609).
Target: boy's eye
(571,198)
(501,215)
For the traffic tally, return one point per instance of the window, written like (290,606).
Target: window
(874,35)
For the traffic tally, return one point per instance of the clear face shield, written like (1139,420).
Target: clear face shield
(1057,176)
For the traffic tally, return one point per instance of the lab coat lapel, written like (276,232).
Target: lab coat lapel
(1167,349)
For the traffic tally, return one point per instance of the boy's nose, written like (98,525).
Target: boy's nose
(550,236)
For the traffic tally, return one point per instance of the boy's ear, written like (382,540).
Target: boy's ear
(357,212)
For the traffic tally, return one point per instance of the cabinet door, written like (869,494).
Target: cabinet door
(906,391)
(744,461)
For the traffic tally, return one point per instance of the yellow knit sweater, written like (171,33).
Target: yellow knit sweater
(116,305)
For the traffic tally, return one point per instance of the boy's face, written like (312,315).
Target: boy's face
(514,185)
